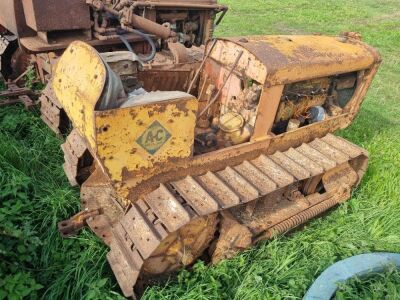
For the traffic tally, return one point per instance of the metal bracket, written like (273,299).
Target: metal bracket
(15,94)
(72,226)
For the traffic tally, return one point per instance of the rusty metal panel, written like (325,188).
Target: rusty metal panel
(329,151)
(124,244)
(78,145)
(304,161)
(316,156)
(70,172)
(165,80)
(267,108)
(136,232)
(240,185)
(70,159)
(297,170)
(7,15)
(118,270)
(148,240)
(137,140)
(273,170)
(294,58)
(226,52)
(222,193)
(12,17)
(196,196)
(130,272)
(343,145)
(165,206)
(261,181)
(78,83)
(52,15)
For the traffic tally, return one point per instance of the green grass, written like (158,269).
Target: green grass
(35,195)
(374,286)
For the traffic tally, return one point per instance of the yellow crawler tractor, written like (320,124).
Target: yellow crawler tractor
(213,154)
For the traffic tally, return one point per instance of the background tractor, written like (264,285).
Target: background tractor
(37,31)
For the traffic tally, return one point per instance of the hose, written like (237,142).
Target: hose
(325,287)
(126,43)
(143,35)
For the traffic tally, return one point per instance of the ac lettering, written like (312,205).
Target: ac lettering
(153,138)
(157,137)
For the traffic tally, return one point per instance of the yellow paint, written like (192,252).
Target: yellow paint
(284,59)
(138,143)
(123,133)
(132,144)
(78,83)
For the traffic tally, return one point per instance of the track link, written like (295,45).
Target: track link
(78,159)
(52,112)
(138,234)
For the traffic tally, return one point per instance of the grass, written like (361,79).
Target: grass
(34,193)
(375,286)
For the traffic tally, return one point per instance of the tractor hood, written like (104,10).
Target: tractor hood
(273,60)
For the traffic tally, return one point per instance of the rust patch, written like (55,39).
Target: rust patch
(144,225)
(234,238)
(133,114)
(181,106)
(150,113)
(159,109)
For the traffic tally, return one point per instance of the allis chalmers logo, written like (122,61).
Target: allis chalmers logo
(153,138)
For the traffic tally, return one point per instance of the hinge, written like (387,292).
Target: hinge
(72,226)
